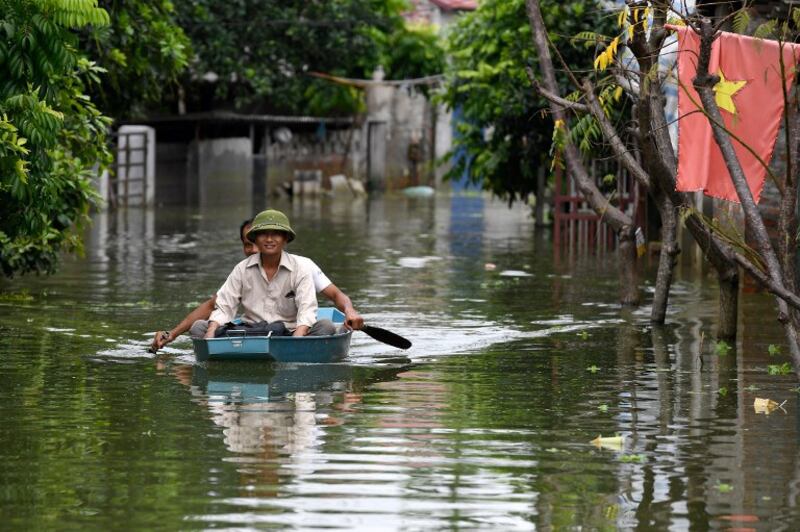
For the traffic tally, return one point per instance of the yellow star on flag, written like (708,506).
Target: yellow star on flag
(724,91)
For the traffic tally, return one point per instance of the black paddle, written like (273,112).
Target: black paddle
(387,337)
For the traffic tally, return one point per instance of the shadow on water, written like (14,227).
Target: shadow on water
(518,363)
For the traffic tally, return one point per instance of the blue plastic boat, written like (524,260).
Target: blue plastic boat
(278,348)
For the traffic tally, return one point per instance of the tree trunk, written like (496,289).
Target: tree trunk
(666,259)
(659,158)
(787,245)
(787,220)
(728,305)
(628,276)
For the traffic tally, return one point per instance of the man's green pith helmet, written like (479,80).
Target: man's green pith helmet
(271,220)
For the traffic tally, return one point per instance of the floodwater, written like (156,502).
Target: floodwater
(486,422)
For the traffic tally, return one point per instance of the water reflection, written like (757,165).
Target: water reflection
(278,408)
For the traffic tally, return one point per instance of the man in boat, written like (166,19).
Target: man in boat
(274,288)
(322,283)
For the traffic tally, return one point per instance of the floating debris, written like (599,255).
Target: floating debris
(419,192)
(609,442)
(515,273)
(416,262)
(765,406)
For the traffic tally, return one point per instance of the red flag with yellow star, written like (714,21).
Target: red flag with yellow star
(750,98)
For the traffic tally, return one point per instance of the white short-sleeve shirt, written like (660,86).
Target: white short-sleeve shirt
(321,281)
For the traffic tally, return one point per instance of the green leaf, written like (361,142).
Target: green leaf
(724,488)
(741,20)
(633,458)
(722,348)
(766,30)
(779,369)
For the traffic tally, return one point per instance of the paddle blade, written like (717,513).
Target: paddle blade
(387,337)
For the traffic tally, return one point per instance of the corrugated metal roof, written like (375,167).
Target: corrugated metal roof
(227,116)
(456,5)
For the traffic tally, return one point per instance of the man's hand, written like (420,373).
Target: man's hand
(353,320)
(301,330)
(161,339)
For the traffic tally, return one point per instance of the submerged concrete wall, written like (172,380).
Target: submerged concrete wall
(172,186)
(337,152)
(217,158)
(408,152)
(402,132)
(224,169)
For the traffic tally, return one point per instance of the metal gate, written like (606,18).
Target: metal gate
(578,229)
(128,180)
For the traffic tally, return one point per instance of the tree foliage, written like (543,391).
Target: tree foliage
(409,51)
(255,55)
(504,135)
(143,50)
(51,134)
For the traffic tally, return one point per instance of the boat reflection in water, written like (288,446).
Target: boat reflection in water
(282,409)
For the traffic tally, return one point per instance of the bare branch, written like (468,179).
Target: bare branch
(630,85)
(620,150)
(764,280)
(554,98)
